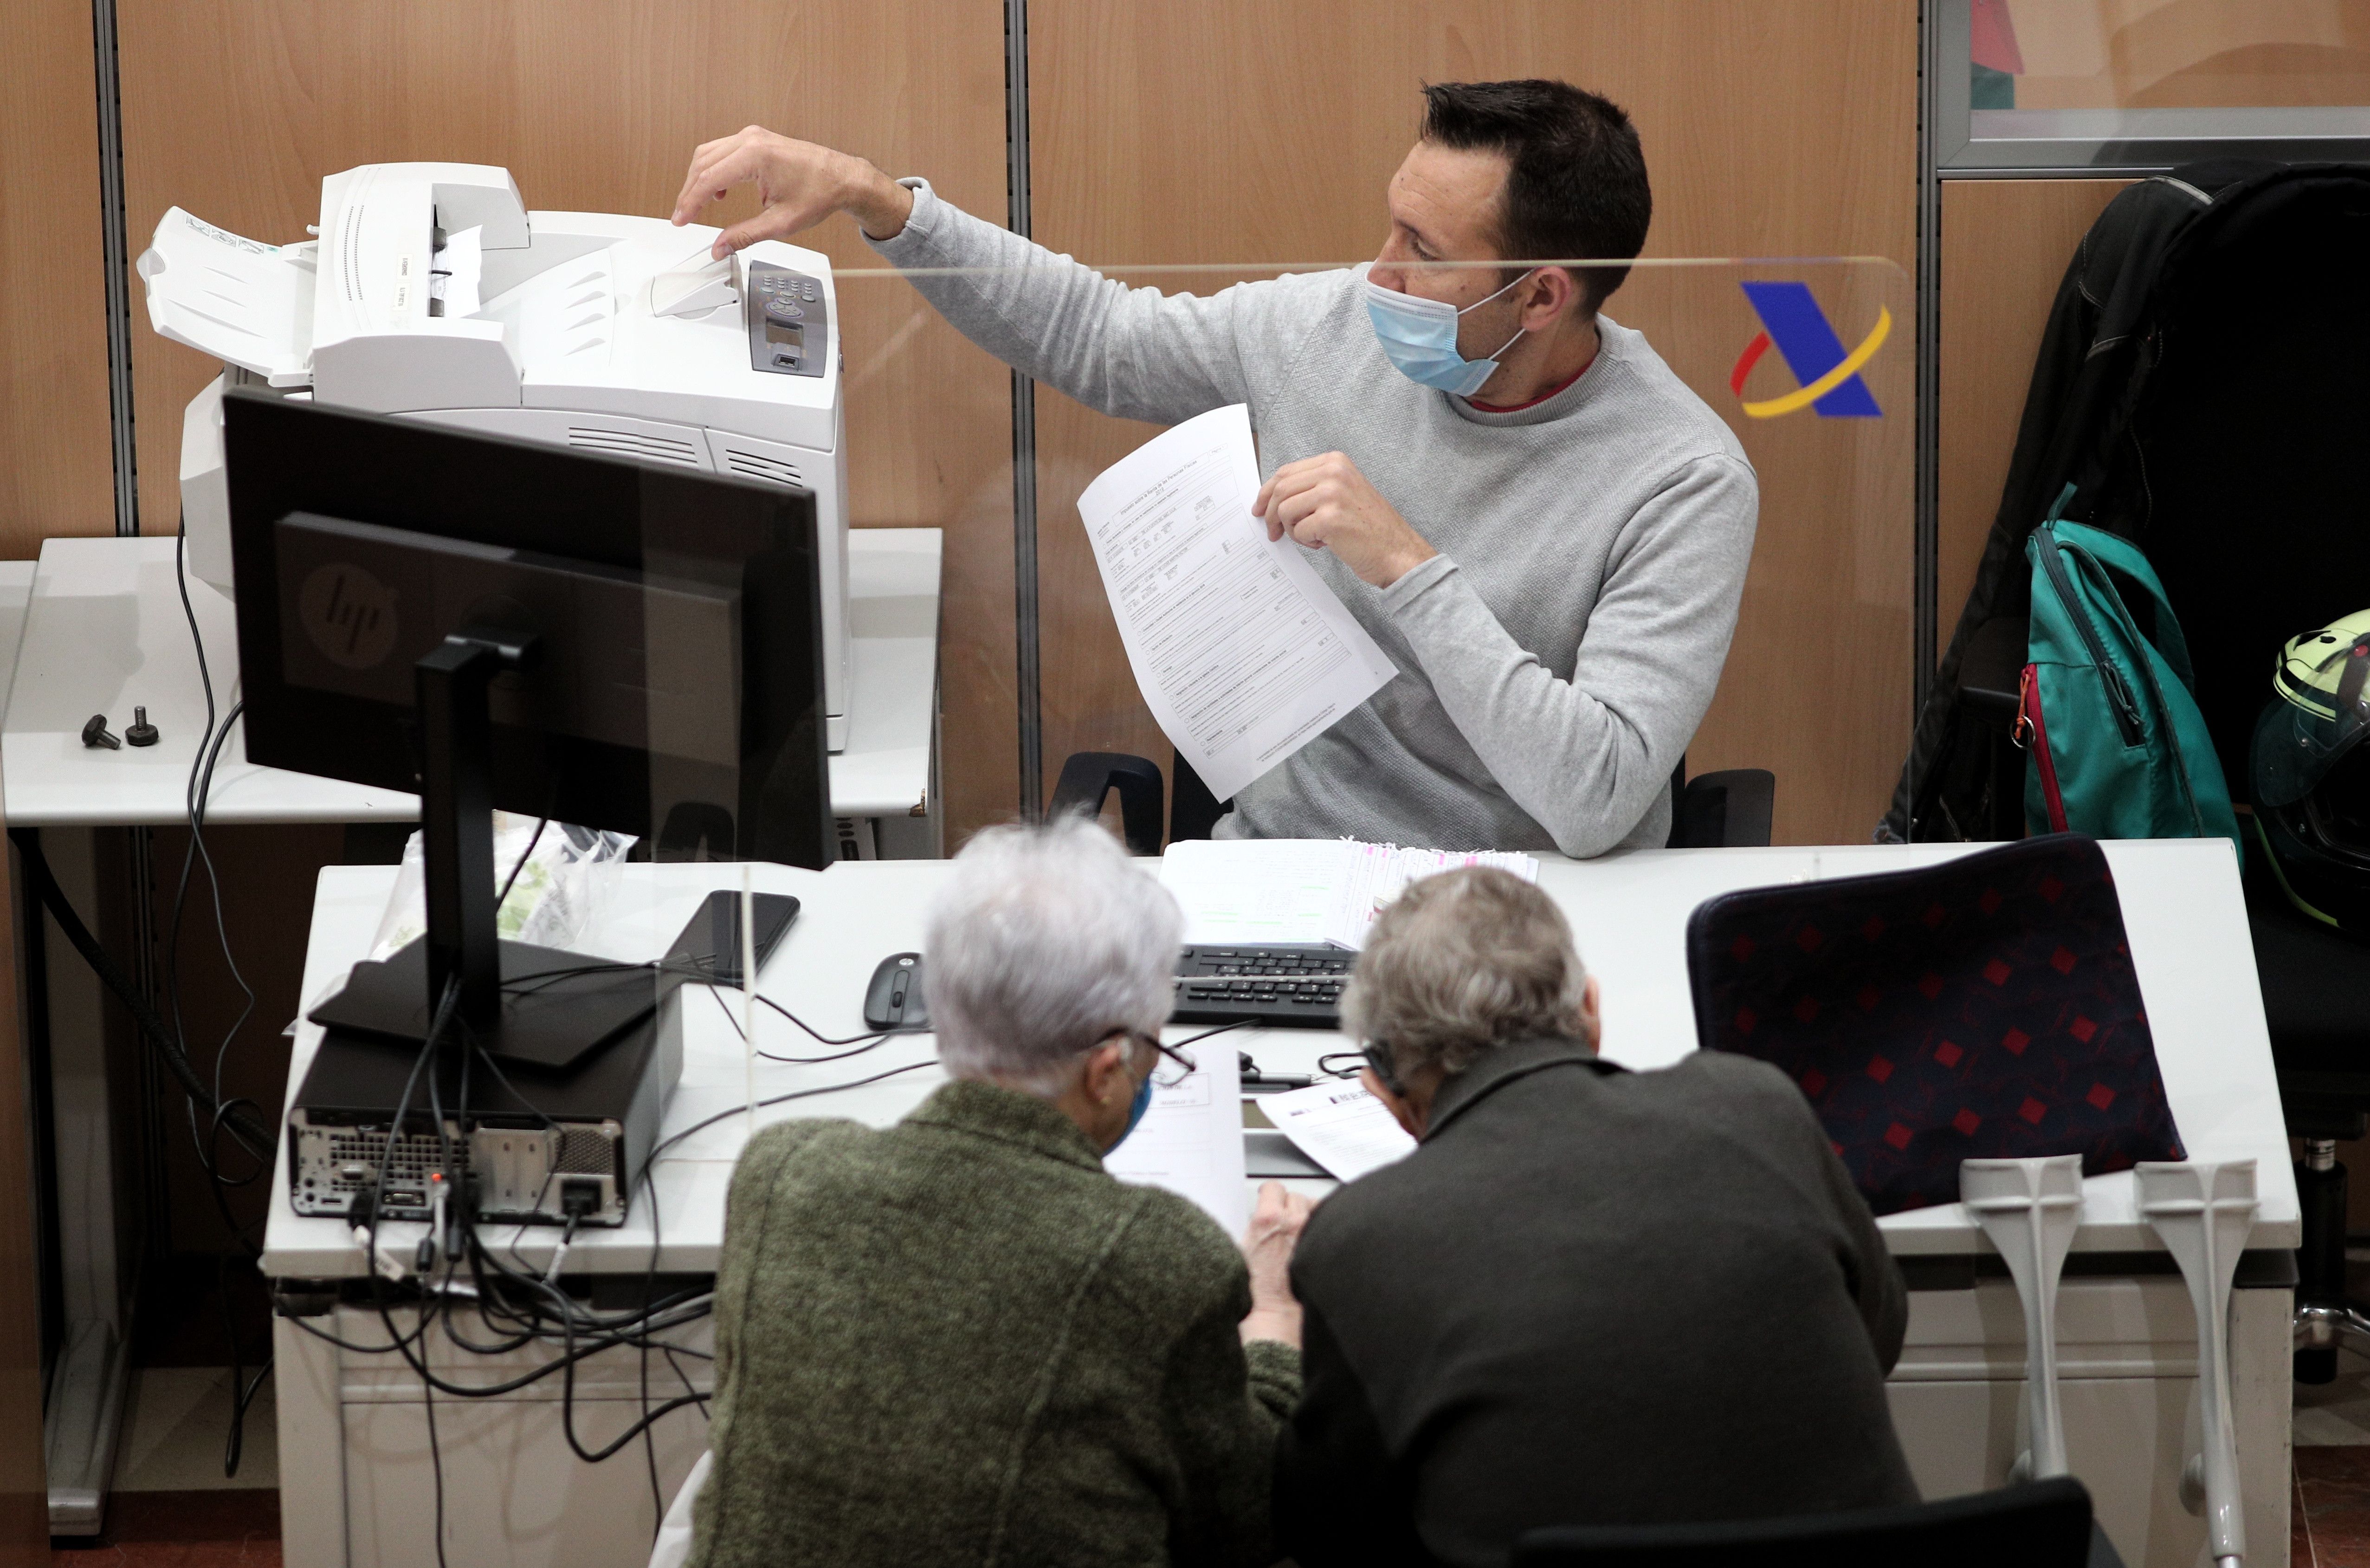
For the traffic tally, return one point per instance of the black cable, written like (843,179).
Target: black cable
(520,864)
(252,1134)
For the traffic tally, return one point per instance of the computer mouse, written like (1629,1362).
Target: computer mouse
(894,1000)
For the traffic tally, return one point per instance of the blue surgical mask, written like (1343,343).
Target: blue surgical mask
(1136,1109)
(1420,337)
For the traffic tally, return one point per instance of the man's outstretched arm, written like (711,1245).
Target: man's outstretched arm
(1130,353)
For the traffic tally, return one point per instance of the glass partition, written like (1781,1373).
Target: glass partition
(2150,84)
(1809,362)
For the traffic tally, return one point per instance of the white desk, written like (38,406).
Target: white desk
(105,630)
(98,626)
(354,1460)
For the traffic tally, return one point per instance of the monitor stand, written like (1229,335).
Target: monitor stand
(551,1023)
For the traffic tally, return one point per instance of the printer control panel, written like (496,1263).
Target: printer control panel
(789,325)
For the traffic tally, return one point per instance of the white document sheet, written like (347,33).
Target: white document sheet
(457,270)
(1303,889)
(1191,1141)
(1339,1125)
(1241,651)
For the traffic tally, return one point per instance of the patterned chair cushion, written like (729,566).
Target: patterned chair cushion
(1982,1008)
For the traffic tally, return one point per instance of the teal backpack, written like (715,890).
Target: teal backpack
(2116,745)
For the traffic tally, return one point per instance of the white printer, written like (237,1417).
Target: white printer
(430,292)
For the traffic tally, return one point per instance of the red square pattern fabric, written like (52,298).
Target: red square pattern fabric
(1985,1008)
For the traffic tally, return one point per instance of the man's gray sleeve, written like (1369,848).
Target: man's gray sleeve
(1134,353)
(1587,756)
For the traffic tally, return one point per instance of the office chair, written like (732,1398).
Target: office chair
(2044,1524)
(1727,809)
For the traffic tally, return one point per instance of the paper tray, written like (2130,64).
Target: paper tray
(245,302)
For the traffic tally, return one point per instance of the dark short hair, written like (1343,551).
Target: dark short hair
(1575,176)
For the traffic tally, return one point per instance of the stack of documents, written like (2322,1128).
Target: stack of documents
(1303,889)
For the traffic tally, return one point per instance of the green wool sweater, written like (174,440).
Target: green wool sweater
(960,1341)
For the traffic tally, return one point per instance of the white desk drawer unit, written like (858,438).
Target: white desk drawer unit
(2127,1383)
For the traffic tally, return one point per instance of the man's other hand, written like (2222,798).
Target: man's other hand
(800,183)
(1267,1246)
(1325,503)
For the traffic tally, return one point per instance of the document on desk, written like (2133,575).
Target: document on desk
(1191,1141)
(1241,651)
(1304,890)
(1340,1127)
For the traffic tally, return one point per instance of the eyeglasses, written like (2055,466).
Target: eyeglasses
(1173,1067)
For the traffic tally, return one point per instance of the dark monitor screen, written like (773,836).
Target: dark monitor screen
(677,689)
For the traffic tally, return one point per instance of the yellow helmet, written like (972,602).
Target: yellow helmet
(2310,777)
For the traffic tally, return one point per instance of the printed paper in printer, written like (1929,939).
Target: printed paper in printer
(1241,651)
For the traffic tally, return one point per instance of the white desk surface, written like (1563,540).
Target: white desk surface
(2181,906)
(104,630)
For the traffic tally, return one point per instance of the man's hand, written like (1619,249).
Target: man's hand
(1267,1246)
(1325,503)
(800,183)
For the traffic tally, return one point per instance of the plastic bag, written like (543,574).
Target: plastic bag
(553,900)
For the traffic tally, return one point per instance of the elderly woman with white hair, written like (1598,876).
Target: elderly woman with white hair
(958,1340)
(1589,1296)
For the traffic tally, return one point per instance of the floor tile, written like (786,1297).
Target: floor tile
(176,1423)
(2334,1485)
(218,1528)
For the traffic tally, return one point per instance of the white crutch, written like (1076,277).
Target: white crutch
(2204,1213)
(2031,1209)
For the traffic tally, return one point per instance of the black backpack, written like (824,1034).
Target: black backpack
(2205,384)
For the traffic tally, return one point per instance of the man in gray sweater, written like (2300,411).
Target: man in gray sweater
(1541,525)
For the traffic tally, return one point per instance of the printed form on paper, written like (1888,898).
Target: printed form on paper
(1241,651)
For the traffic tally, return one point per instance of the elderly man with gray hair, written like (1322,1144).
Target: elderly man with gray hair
(1589,1296)
(957,1340)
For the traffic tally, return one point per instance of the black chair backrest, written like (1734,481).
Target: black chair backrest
(1089,777)
(2042,1524)
(1982,1008)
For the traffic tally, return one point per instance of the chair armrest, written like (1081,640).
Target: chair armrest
(1087,777)
(1725,809)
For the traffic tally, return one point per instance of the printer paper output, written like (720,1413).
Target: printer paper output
(236,299)
(458,271)
(1241,651)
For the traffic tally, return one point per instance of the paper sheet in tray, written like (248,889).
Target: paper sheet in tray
(1241,651)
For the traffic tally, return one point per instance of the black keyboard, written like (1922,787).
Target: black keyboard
(1295,987)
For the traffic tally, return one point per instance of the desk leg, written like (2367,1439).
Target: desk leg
(307,1373)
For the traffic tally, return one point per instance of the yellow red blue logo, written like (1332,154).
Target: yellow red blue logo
(1828,375)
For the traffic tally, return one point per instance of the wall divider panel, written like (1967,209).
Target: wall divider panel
(58,476)
(234,110)
(2006,246)
(1233,131)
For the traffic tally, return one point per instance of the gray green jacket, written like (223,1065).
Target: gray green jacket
(960,1341)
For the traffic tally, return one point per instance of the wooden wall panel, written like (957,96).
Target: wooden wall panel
(234,110)
(57,472)
(1234,131)
(2005,244)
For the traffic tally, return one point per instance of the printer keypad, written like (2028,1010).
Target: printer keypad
(789,326)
